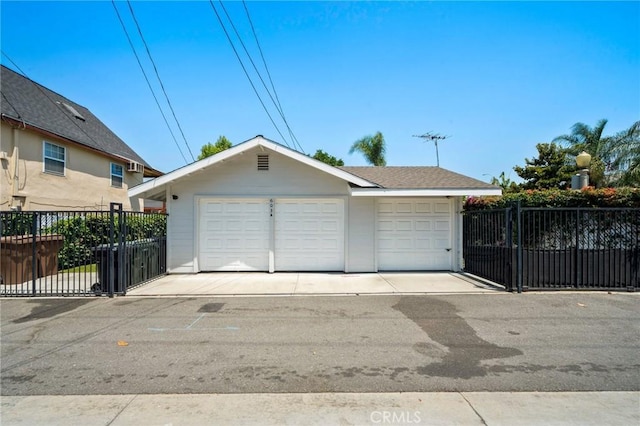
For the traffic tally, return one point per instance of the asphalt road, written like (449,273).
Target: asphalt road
(502,342)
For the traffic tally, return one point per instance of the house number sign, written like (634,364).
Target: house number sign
(271,207)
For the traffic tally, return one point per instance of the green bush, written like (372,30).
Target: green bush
(147,226)
(16,223)
(83,233)
(588,197)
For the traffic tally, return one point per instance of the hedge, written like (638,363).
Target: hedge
(588,197)
(83,233)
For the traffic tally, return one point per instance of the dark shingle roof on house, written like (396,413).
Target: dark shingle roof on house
(35,105)
(427,177)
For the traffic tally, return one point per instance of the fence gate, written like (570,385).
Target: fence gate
(487,245)
(554,248)
(70,253)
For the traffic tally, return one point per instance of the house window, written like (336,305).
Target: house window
(116,175)
(54,158)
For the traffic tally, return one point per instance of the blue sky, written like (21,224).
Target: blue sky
(496,78)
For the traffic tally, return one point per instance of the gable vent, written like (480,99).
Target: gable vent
(263,162)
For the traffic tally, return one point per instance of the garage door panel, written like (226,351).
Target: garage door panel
(404,244)
(385,207)
(423,225)
(385,225)
(330,208)
(404,225)
(443,225)
(330,245)
(312,226)
(309,235)
(423,244)
(330,226)
(213,225)
(404,208)
(234,235)
(311,208)
(443,207)
(212,208)
(441,243)
(414,235)
(423,207)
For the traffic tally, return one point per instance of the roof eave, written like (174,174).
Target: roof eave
(428,192)
(154,185)
(148,171)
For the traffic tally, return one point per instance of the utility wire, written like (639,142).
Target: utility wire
(246,73)
(275,93)
(255,36)
(160,80)
(255,68)
(57,104)
(11,105)
(147,80)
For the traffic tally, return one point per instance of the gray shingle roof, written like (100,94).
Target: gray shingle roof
(25,100)
(416,178)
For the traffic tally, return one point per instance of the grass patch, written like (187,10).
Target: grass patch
(93,267)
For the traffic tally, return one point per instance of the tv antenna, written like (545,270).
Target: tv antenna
(435,137)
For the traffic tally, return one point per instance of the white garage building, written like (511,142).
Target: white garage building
(260,206)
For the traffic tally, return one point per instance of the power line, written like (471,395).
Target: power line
(255,36)
(269,75)
(11,105)
(255,68)
(57,104)
(159,79)
(124,28)
(246,73)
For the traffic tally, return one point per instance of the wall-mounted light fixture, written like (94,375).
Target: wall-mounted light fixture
(175,197)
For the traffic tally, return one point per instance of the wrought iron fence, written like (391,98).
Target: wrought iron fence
(74,253)
(559,248)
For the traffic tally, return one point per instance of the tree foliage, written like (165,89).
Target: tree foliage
(615,160)
(505,183)
(212,149)
(372,147)
(320,155)
(626,157)
(549,170)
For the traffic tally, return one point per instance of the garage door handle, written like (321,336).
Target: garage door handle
(448,249)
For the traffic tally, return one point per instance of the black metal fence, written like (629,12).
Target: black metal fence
(559,248)
(73,253)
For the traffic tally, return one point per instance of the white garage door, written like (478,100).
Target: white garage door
(414,234)
(234,235)
(309,235)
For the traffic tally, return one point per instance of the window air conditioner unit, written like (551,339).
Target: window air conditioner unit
(135,167)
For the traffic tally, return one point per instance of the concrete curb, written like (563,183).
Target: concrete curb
(415,408)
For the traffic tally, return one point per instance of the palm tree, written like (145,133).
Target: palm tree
(626,152)
(585,138)
(372,147)
(615,159)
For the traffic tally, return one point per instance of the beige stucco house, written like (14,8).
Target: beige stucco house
(57,155)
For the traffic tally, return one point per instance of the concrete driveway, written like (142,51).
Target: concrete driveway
(289,284)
